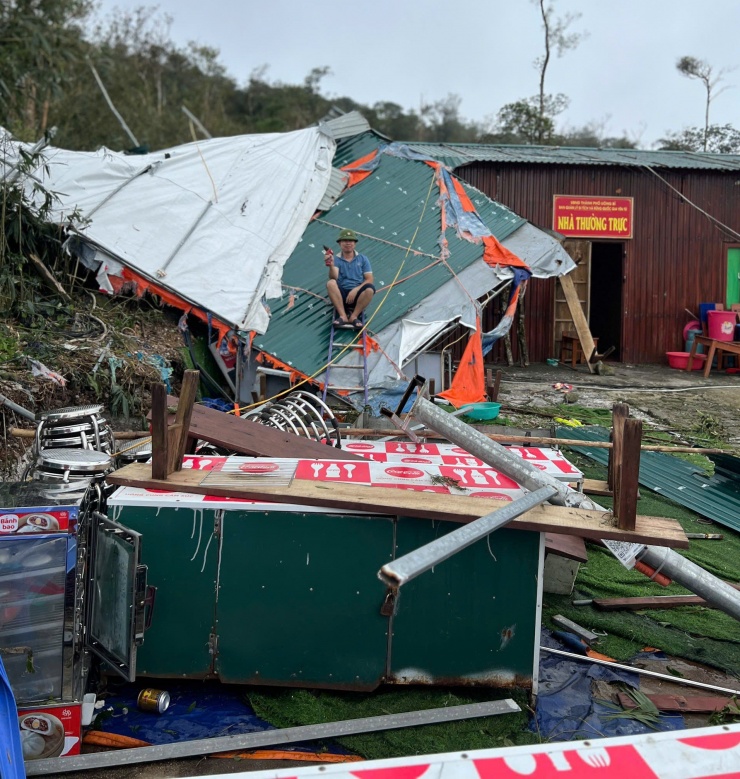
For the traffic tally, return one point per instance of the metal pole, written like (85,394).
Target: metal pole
(118,116)
(206,746)
(641,671)
(408,567)
(194,119)
(494,454)
(162,272)
(18,409)
(714,591)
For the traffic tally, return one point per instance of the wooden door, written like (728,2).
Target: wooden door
(580,251)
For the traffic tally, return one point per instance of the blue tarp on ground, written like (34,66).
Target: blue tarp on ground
(197,710)
(566,709)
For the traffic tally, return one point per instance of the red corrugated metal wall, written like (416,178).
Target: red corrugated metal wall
(676,260)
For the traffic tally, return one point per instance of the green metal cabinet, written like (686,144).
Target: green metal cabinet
(283,597)
(474,618)
(180,548)
(299,599)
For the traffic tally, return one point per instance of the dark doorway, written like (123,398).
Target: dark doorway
(606,295)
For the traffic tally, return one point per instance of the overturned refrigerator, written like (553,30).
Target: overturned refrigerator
(267,593)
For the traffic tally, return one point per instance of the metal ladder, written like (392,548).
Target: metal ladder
(358,345)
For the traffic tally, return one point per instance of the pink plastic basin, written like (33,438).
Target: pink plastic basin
(680,360)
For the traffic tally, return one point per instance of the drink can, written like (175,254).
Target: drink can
(153,700)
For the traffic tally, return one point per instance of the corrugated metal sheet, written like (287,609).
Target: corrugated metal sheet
(346,125)
(676,259)
(395,213)
(457,154)
(717,498)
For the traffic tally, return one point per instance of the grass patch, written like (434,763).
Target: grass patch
(290,708)
(692,632)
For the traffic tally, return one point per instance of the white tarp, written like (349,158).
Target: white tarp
(212,221)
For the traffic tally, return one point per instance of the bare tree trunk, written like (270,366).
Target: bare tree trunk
(521,331)
(503,305)
(543,69)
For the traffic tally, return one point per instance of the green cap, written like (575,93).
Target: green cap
(347,235)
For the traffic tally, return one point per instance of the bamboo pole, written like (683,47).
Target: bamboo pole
(355,432)
(125,435)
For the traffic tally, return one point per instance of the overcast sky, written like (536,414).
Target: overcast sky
(622,75)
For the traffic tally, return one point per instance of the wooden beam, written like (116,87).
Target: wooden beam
(169,440)
(629,480)
(235,434)
(502,438)
(689,703)
(572,547)
(620,412)
(429,505)
(579,319)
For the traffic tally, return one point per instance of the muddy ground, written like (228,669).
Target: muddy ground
(686,405)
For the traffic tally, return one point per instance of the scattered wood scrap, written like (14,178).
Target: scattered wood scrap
(251,438)
(572,547)
(652,602)
(692,703)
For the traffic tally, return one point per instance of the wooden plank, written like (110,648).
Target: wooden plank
(654,601)
(572,547)
(648,602)
(159,432)
(579,318)
(596,487)
(178,432)
(689,703)
(251,438)
(455,508)
(620,412)
(506,438)
(626,511)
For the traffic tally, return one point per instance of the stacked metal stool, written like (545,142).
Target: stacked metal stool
(72,451)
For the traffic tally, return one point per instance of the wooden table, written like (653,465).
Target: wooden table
(718,348)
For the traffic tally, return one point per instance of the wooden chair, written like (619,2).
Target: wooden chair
(570,345)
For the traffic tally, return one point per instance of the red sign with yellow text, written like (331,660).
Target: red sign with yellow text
(592,217)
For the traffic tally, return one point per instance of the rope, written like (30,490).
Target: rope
(366,326)
(711,218)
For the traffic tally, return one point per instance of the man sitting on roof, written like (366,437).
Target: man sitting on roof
(350,284)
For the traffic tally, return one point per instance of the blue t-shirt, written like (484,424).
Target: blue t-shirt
(352,272)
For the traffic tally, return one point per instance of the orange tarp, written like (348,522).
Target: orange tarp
(468,384)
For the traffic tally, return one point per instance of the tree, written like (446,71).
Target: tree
(443,122)
(531,120)
(691,67)
(721,139)
(559,40)
(41,41)
(390,119)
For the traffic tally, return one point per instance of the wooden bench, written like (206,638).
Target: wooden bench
(718,348)
(570,344)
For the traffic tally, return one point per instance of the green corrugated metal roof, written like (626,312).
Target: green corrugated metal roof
(392,206)
(457,154)
(717,498)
